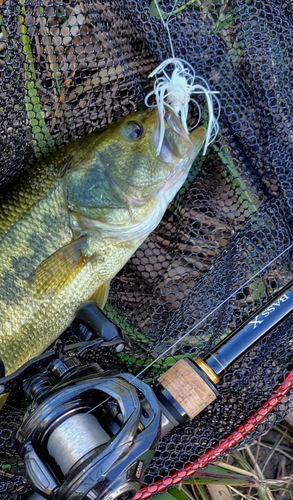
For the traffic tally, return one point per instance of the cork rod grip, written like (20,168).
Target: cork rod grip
(190,388)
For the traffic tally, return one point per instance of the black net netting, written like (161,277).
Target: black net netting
(68,68)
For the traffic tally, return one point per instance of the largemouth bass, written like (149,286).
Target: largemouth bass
(73,220)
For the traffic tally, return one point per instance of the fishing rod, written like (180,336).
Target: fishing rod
(90,434)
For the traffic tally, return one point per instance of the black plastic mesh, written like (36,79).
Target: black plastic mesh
(69,67)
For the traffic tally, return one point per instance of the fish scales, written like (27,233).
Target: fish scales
(72,222)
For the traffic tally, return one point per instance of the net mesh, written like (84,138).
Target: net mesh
(68,68)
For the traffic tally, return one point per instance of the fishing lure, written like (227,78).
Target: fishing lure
(176,90)
(175,85)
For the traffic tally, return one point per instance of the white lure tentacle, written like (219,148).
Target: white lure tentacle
(176,88)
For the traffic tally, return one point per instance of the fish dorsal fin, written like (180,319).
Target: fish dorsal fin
(58,269)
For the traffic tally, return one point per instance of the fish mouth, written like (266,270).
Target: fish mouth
(170,139)
(174,122)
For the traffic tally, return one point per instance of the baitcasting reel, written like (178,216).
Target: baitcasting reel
(90,434)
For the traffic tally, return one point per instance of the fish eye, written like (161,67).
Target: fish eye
(132,130)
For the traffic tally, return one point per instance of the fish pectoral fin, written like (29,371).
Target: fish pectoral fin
(58,269)
(101,294)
